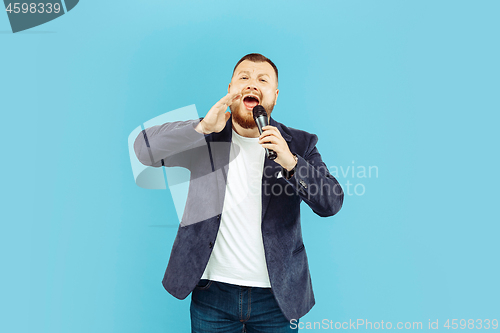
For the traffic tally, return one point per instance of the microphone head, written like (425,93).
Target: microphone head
(258,111)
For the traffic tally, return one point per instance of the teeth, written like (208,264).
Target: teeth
(253,96)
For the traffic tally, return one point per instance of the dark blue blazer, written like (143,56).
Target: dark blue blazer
(207,157)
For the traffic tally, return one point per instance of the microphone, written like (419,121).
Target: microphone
(260,117)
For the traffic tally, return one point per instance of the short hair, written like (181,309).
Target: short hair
(257,57)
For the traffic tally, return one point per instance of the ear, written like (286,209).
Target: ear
(276,98)
(228,88)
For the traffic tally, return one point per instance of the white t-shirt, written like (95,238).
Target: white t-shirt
(238,255)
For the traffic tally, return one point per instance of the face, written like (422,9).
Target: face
(258,84)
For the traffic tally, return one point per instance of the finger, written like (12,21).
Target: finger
(265,135)
(271,131)
(268,136)
(223,102)
(230,98)
(271,146)
(269,128)
(235,97)
(271,139)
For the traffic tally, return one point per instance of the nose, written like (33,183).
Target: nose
(252,86)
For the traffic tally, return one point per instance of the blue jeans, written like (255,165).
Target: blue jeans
(227,308)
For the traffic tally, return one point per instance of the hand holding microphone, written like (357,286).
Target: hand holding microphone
(260,117)
(271,139)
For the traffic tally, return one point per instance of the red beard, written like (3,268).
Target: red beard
(244,118)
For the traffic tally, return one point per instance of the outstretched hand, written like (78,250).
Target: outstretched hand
(216,118)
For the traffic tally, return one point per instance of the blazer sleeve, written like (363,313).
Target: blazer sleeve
(169,144)
(314,183)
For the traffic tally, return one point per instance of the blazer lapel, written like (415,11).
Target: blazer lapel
(270,173)
(269,179)
(220,146)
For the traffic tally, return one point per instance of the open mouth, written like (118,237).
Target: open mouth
(251,101)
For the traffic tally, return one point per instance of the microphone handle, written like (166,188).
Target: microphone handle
(261,122)
(271,154)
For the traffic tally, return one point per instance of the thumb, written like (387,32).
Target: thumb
(227,115)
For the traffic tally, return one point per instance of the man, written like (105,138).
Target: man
(239,247)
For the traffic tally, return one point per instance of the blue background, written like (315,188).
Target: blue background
(411,87)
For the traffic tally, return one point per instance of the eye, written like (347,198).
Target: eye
(263,80)
(244,77)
